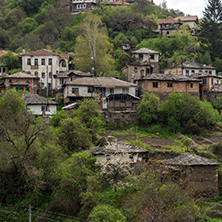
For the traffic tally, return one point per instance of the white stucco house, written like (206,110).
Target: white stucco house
(96,87)
(39,106)
(45,64)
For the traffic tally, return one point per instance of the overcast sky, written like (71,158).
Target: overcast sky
(192,7)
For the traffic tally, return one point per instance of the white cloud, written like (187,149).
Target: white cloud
(192,7)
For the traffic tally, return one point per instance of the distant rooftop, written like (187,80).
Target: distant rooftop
(117,147)
(107,82)
(35,99)
(3,52)
(168,77)
(145,51)
(191,160)
(21,75)
(192,64)
(46,52)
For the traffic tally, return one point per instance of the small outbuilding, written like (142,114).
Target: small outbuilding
(199,174)
(121,152)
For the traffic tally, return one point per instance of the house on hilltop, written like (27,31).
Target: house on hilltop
(96,87)
(79,6)
(146,62)
(39,106)
(21,81)
(164,84)
(45,64)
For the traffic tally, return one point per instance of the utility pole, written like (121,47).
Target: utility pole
(47,82)
(30,213)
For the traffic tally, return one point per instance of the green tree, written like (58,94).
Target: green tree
(93,47)
(10,60)
(148,108)
(171,109)
(106,213)
(75,179)
(211,30)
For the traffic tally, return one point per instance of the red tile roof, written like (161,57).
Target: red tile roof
(41,52)
(3,52)
(64,56)
(167,21)
(120,3)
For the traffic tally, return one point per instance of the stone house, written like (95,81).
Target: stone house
(169,26)
(21,81)
(122,102)
(207,83)
(197,174)
(214,92)
(163,85)
(189,68)
(121,152)
(45,64)
(68,76)
(39,106)
(79,6)
(3,69)
(96,87)
(146,62)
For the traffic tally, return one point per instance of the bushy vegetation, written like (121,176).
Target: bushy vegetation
(180,112)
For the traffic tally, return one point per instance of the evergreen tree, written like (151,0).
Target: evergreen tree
(211,32)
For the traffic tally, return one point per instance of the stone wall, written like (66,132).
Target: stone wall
(119,117)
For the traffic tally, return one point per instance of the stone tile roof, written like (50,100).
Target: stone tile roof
(216,88)
(168,21)
(73,72)
(169,77)
(3,52)
(117,147)
(195,65)
(188,19)
(106,82)
(145,51)
(41,52)
(21,75)
(35,99)
(120,3)
(191,160)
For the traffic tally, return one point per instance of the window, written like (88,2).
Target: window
(50,75)
(141,73)
(27,88)
(27,80)
(36,73)
(50,61)
(169,84)
(19,88)
(187,72)
(43,62)
(0,69)
(90,89)
(204,81)
(151,56)
(140,56)
(125,91)
(210,72)
(191,85)
(192,71)
(75,90)
(135,69)
(43,75)
(111,90)
(10,80)
(155,84)
(212,81)
(29,62)
(36,62)
(205,93)
(3,70)
(44,108)
(49,85)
